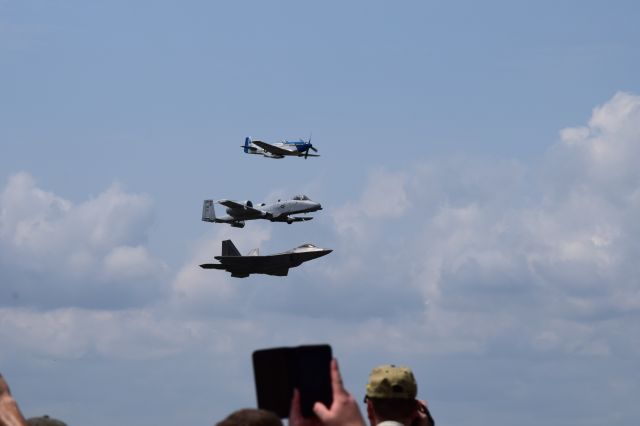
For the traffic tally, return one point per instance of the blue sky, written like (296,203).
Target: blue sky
(478,176)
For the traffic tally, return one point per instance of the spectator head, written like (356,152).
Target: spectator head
(251,417)
(391,395)
(44,421)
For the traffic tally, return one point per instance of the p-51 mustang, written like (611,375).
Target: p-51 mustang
(238,212)
(282,149)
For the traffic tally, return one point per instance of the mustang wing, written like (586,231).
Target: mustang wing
(273,149)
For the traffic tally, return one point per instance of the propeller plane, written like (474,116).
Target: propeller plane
(299,148)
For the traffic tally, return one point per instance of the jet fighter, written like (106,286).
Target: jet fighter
(274,264)
(299,148)
(280,211)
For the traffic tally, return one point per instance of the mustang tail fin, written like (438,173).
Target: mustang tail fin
(247,143)
(228,249)
(208,212)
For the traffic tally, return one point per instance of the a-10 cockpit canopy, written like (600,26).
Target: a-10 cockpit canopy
(301,198)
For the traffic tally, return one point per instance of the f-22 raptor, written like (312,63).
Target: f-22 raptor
(238,212)
(274,264)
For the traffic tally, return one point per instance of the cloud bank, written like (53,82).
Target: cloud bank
(473,252)
(542,256)
(55,253)
(456,257)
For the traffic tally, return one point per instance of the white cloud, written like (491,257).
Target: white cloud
(57,253)
(497,252)
(601,158)
(71,333)
(384,196)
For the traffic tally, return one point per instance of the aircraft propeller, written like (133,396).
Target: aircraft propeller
(306,152)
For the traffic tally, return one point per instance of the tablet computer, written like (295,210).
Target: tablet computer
(278,371)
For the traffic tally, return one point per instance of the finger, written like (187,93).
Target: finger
(294,412)
(4,387)
(321,411)
(336,379)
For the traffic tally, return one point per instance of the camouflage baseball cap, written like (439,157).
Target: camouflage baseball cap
(389,381)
